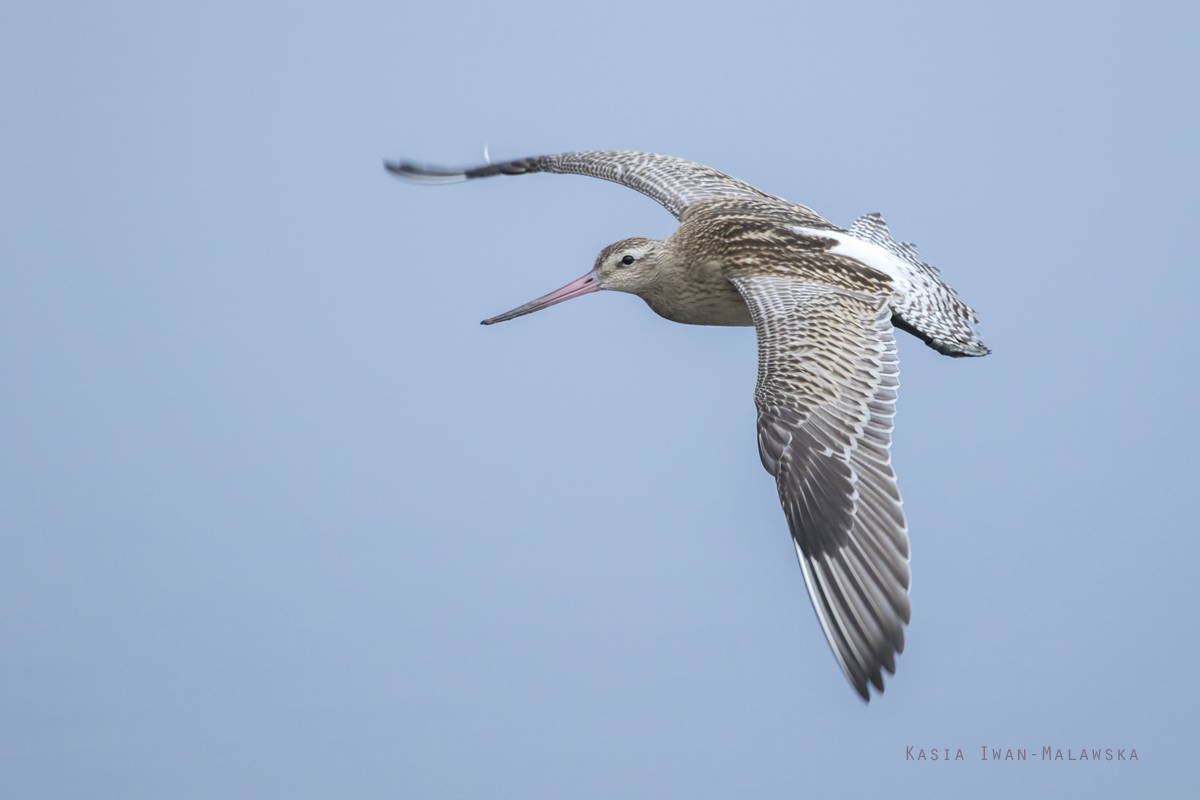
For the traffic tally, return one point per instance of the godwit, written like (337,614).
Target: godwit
(823,301)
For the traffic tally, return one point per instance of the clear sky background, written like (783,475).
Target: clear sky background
(278,518)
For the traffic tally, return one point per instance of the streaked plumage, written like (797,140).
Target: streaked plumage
(824,302)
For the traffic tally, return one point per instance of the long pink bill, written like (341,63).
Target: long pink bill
(586,285)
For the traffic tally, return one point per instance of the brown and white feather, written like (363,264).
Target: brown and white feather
(826,394)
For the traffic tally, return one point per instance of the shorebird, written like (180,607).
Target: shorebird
(824,302)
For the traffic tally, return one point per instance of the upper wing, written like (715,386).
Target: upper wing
(826,394)
(673,182)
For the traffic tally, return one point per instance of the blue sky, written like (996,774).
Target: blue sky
(279,518)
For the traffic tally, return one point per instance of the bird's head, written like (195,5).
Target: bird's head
(631,265)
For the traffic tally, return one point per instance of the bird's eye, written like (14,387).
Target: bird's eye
(627,260)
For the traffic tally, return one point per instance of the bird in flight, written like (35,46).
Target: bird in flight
(824,302)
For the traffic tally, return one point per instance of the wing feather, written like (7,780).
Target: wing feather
(826,395)
(674,182)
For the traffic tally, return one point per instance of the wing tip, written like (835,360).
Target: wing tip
(863,668)
(418,173)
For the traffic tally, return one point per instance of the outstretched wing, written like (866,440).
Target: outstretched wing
(826,394)
(673,182)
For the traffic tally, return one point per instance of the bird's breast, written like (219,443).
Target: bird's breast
(701,296)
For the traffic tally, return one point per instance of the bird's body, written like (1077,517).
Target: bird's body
(823,301)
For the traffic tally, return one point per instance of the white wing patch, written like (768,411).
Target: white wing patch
(872,255)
